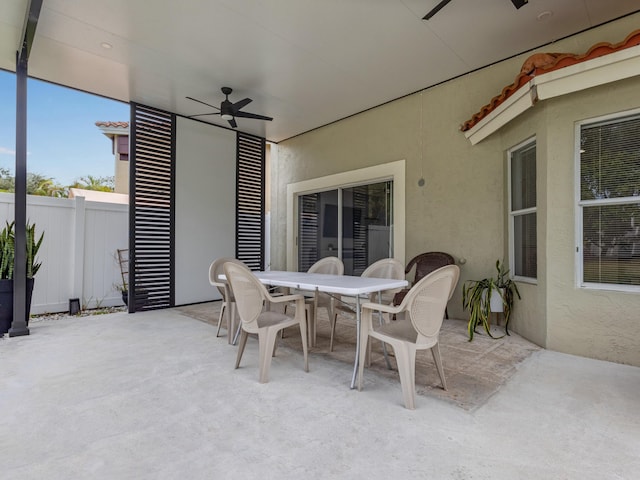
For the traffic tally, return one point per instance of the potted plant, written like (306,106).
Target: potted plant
(477,295)
(7,256)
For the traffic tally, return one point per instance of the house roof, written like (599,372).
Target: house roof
(113,124)
(541,63)
(111,129)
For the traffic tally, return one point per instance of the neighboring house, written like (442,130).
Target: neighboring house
(98,196)
(118,133)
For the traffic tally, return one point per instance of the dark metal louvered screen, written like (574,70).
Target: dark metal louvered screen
(151,209)
(250,153)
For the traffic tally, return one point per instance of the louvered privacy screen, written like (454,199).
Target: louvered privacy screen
(250,201)
(152,210)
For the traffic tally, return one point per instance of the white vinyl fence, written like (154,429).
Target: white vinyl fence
(78,253)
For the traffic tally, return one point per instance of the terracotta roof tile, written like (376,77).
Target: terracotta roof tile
(113,124)
(540,63)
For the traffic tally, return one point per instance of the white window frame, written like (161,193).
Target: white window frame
(525,211)
(582,203)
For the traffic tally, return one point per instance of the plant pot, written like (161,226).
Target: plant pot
(6,303)
(141,301)
(496,303)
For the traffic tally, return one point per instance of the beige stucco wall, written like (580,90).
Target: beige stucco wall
(596,323)
(121,175)
(461,209)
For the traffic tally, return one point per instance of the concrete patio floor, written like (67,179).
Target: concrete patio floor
(154,396)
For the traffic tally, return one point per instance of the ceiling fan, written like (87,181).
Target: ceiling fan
(443,3)
(229,111)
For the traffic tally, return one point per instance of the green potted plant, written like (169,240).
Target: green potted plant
(7,256)
(477,295)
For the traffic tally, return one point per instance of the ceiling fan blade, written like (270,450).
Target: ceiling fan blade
(252,115)
(242,103)
(203,114)
(200,101)
(233,123)
(436,9)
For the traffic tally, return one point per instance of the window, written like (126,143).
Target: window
(122,142)
(609,202)
(522,211)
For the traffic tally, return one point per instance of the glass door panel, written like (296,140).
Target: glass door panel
(355,224)
(317,228)
(367,231)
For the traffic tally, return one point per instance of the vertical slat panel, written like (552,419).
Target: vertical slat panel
(250,200)
(152,200)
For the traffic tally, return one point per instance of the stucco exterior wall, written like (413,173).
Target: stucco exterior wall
(595,323)
(529,317)
(461,209)
(121,179)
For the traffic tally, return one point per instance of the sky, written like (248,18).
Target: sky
(63,141)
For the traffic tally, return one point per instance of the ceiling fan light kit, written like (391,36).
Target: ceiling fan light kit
(229,111)
(516,3)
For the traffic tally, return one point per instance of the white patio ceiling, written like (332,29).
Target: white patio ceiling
(306,63)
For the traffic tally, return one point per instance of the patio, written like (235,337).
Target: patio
(154,395)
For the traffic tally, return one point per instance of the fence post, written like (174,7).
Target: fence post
(78,248)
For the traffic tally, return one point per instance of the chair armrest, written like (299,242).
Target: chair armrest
(285,298)
(381,307)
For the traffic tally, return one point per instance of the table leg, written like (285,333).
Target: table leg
(355,363)
(384,345)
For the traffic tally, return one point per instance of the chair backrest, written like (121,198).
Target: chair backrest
(428,262)
(330,265)
(427,301)
(249,294)
(385,268)
(216,269)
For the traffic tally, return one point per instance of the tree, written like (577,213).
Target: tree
(37,184)
(7,182)
(100,184)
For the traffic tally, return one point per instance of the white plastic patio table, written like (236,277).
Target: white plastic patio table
(346,285)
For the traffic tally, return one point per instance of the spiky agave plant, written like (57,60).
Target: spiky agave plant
(7,250)
(33,246)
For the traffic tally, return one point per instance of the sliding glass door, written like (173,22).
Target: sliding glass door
(355,224)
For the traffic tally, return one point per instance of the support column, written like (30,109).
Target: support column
(19,324)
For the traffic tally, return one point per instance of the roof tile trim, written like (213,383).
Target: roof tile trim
(540,63)
(113,124)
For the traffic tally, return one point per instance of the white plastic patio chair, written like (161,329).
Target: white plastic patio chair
(423,308)
(328,265)
(251,296)
(384,268)
(228,301)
